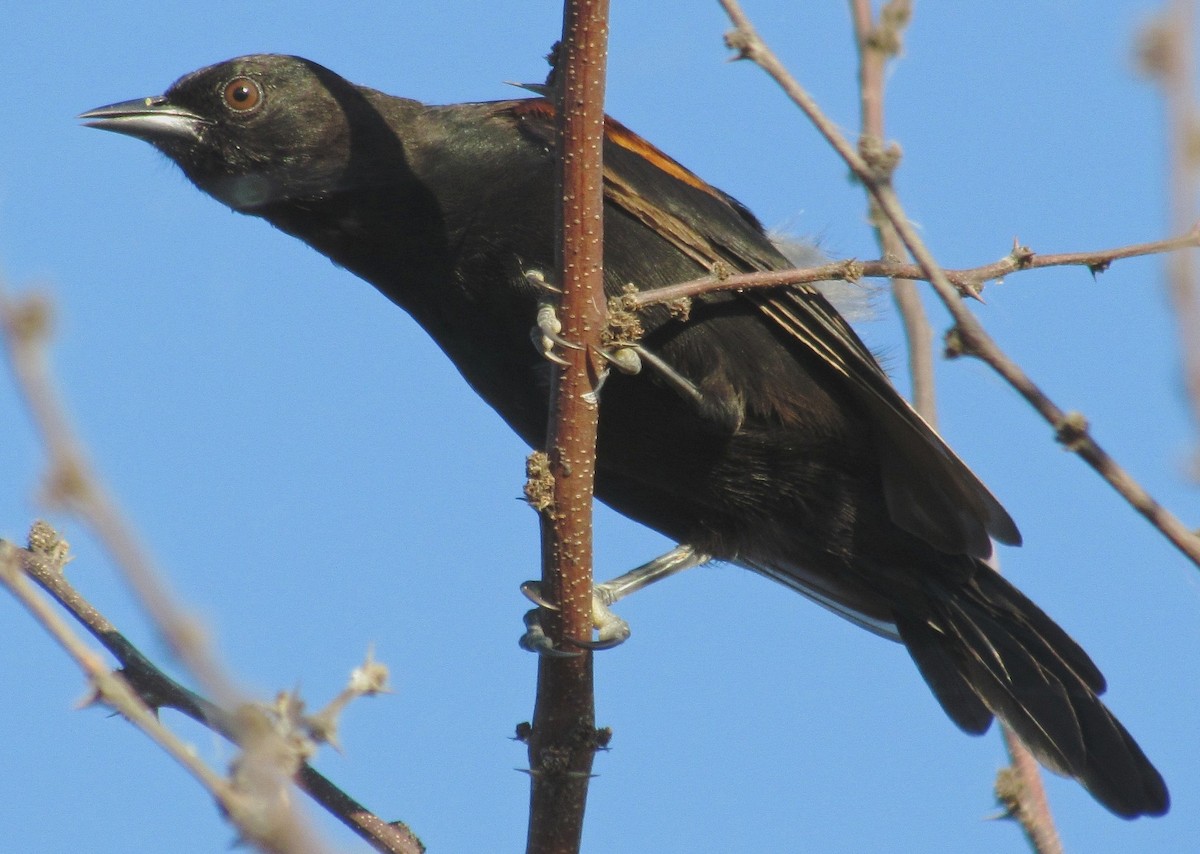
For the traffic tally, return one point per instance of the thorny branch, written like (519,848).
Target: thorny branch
(261,812)
(878,41)
(72,484)
(872,166)
(968,280)
(155,690)
(563,737)
(275,742)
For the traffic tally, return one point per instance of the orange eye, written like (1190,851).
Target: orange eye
(242,94)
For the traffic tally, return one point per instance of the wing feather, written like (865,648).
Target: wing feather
(930,491)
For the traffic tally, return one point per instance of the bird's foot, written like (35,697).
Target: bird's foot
(546,335)
(611,630)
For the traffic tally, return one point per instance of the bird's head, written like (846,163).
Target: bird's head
(257,129)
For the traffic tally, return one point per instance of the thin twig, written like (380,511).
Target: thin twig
(968,337)
(24,325)
(877,43)
(1167,55)
(563,738)
(158,690)
(269,823)
(1020,789)
(968,280)
(261,773)
(266,763)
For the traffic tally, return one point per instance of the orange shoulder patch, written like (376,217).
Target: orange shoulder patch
(618,134)
(630,141)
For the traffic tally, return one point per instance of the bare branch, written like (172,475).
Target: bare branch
(156,690)
(24,324)
(873,166)
(969,281)
(267,763)
(261,811)
(563,739)
(877,43)
(1166,50)
(1020,789)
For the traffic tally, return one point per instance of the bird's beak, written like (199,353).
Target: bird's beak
(151,119)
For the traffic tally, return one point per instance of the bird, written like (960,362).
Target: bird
(759,431)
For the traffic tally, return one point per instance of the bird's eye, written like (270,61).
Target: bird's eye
(242,94)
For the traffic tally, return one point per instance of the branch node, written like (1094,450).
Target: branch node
(1072,431)
(852,270)
(1156,50)
(539,482)
(881,159)
(1009,790)
(28,319)
(955,344)
(623,326)
(680,309)
(741,43)
(66,482)
(887,36)
(45,542)
(1021,255)
(970,290)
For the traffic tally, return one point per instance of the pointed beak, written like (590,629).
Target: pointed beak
(151,119)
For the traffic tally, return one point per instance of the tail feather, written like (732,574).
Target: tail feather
(1026,694)
(985,649)
(944,672)
(1009,600)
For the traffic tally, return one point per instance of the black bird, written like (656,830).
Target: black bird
(761,431)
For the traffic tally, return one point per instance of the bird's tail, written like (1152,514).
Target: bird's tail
(986,650)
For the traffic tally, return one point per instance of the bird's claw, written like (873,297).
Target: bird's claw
(532,590)
(546,337)
(536,640)
(631,358)
(611,630)
(626,358)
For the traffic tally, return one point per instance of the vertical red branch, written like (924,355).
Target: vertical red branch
(563,739)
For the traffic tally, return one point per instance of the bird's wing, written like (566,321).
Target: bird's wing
(930,491)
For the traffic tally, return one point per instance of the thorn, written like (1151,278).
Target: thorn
(971,291)
(93,696)
(536,88)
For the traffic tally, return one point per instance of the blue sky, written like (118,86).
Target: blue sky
(266,419)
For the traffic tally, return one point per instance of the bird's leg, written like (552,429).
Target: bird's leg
(612,630)
(630,358)
(625,354)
